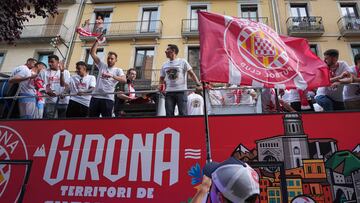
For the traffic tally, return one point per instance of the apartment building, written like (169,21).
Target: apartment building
(37,35)
(139,31)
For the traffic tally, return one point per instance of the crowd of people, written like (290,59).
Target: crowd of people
(51,92)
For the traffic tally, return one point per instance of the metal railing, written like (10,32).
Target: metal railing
(190,26)
(128,29)
(305,25)
(43,31)
(349,26)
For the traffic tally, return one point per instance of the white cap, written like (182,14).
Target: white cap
(236,180)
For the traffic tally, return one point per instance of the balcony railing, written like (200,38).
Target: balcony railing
(189,27)
(349,26)
(129,30)
(43,32)
(311,26)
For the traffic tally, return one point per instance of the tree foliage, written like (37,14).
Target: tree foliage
(14,13)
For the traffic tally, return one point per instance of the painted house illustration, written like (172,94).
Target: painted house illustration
(314,167)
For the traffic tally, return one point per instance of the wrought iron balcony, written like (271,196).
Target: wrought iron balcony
(128,30)
(311,26)
(42,33)
(189,27)
(349,26)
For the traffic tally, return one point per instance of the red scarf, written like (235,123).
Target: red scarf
(303,100)
(357,72)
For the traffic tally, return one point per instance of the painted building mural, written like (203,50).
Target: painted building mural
(315,168)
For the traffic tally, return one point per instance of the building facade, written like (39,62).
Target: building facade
(36,37)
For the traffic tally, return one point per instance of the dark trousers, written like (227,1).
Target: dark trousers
(76,109)
(101,106)
(176,98)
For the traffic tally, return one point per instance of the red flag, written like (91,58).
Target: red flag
(244,52)
(86,33)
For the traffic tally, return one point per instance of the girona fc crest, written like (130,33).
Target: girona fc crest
(12,147)
(257,51)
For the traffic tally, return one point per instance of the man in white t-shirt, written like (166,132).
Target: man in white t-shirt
(81,85)
(195,104)
(23,75)
(56,80)
(352,91)
(331,98)
(173,75)
(102,102)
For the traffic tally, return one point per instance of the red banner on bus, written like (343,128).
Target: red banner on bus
(160,159)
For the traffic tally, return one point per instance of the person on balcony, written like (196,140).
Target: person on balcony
(99,24)
(173,79)
(102,102)
(24,76)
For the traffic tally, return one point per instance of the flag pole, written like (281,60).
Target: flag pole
(206,120)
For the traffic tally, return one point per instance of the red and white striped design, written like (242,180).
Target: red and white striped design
(85,33)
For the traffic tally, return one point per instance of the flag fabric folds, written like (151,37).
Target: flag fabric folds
(86,33)
(244,52)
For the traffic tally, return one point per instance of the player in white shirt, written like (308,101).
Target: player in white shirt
(103,102)
(56,80)
(173,75)
(23,75)
(81,84)
(331,98)
(352,91)
(195,104)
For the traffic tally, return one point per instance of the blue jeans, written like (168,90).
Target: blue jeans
(176,98)
(329,104)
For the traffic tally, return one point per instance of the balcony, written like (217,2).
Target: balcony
(129,30)
(189,27)
(311,26)
(42,33)
(349,26)
(114,1)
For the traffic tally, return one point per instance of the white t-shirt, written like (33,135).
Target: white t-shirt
(195,104)
(81,84)
(104,84)
(335,93)
(245,97)
(52,81)
(352,91)
(175,74)
(26,86)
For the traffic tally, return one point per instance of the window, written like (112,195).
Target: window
(355,48)
(299,10)
(2,57)
(309,169)
(349,10)
(194,16)
(194,59)
(319,169)
(44,57)
(290,183)
(149,20)
(296,150)
(314,49)
(249,11)
(297,182)
(291,194)
(143,62)
(89,60)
